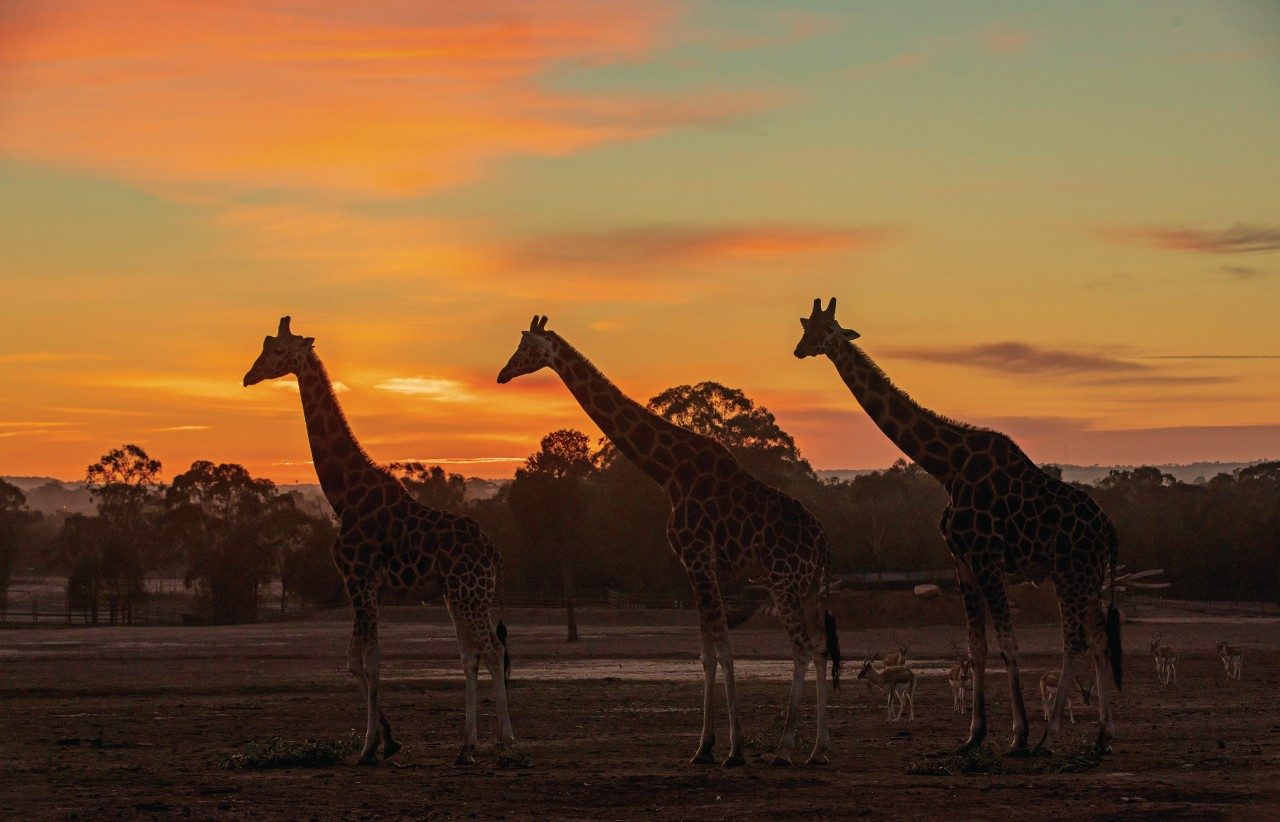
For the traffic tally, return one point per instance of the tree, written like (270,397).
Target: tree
(750,431)
(125,484)
(14,517)
(231,527)
(80,549)
(432,486)
(547,500)
(307,571)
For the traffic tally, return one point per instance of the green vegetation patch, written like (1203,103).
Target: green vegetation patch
(279,752)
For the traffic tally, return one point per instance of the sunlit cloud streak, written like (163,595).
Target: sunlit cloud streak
(433,388)
(1240,238)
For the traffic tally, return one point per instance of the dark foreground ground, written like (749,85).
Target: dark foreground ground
(136,722)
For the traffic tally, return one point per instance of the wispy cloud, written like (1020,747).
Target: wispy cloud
(435,388)
(682,244)
(1240,238)
(1245,272)
(1020,359)
(1269,49)
(1005,40)
(183,428)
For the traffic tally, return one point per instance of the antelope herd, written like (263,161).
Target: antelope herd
(897,681)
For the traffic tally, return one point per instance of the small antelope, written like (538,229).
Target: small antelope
(1166,662)
(1049,688)
(899,659)
(1232,656)
(958,678)
(897,681)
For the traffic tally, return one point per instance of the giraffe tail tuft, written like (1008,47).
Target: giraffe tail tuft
(501,630)
(833,647)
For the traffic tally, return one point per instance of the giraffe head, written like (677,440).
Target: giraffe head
(534,352)
(282,354)
(821,331)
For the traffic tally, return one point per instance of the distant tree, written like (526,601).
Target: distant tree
(125,485)
(432,486)
(547,499)
(307,571)
(14,517)
(80,548)
(231,527)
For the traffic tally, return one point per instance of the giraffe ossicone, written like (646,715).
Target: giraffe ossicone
(387,538)
(720,516)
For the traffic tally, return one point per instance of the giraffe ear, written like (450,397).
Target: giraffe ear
(849,334)
(804,323)
(309,342)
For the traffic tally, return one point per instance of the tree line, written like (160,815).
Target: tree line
(580,523)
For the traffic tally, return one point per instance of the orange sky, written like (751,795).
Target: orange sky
(1060,221)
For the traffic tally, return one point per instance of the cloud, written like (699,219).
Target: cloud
(668,245)
(1215,357)
(1240,238)
(183,428)
(1245,272)
(1266,50)
(326,96)
(1018,359)
(1003,40)
(438,389)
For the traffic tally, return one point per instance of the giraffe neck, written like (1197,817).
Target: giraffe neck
(340,462)
(632,428)
(909,425)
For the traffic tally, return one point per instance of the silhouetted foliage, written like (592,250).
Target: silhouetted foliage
(14,518)
(432,486)
(231,528)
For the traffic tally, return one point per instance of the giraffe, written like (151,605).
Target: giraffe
(722,520)
(1006,517)
(387,538)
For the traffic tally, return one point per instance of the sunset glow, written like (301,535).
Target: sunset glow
(1059,220)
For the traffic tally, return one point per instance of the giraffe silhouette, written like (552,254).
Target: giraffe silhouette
(722,520)
(1006,518)
(387,538)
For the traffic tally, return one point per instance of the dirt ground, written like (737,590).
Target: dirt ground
(128,722)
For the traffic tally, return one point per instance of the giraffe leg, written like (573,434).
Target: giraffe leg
(707,741)
(1074,644)
(1097,635)
(975,610)
(998,603)
(497,672)
(363,661)
(800,666)
(822,739)
(471,668)
(724,653)
(715,633)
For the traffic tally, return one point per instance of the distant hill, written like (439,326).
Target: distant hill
(1189,472)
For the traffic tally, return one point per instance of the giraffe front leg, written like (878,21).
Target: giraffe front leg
(364,663)
(975,610)
(998,603)
(822,738)
(705,755)
(1103,678)
(724,653)
(471,668)
(800,666)
(1074,644)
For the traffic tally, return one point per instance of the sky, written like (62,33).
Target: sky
(1059,220)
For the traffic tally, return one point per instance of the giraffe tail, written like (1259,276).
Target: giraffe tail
(501,630)
(1115,650)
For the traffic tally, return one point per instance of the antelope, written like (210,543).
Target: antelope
(897,681)
(1232,656)
(1166,662)
(958,678)
(899,659)
(1049,688)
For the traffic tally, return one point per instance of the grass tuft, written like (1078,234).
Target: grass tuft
(986,761)
(981,760)
(278,752)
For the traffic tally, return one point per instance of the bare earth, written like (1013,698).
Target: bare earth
(126,722)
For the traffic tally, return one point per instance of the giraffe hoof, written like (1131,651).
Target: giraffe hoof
(735,761)
(817,760)
(1018,750)
(1103,749)
(781,761)
(390,749)
(703,758)
(464,760)
(1041,751)
(368,759)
